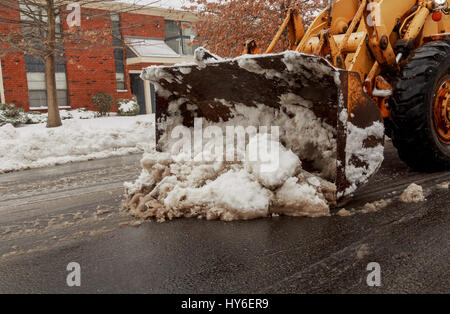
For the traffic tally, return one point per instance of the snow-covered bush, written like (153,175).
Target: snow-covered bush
(35,117)
(127,107)
(9,114)
(81,113)
(102,103)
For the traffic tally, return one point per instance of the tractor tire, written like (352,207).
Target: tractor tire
(421,138)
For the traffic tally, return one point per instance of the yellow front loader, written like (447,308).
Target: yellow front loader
(361,63)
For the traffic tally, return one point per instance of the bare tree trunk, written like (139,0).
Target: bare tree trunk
(53,120)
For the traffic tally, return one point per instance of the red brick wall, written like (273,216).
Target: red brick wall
(142,25)
(13,67)
(15,80)
(89,69)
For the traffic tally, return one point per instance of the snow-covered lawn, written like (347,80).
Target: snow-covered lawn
(34,146)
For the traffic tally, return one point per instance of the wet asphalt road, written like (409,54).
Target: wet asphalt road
(51,217)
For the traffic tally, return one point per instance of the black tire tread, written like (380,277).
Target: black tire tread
(409,126)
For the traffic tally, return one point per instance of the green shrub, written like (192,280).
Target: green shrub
(102,103)
(10,114)
(128,107)
(35,117)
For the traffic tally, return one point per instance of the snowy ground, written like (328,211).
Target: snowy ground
(34,146)
(49,218)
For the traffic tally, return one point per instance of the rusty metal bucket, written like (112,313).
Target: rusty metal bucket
(337,96)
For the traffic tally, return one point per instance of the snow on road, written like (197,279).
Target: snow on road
(35,146)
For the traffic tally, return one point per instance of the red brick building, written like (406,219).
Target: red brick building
(139,38)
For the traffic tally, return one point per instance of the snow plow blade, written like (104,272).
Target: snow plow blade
(335,96)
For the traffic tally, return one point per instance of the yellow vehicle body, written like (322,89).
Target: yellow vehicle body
(360,36)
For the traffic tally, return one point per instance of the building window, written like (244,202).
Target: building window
(120,68)
(120,80)
(118,52)
(35,68)
(180,37)
(37,91)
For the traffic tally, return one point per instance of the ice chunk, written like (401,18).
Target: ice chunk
(413,194)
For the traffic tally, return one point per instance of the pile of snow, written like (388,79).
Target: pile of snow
(174,185)
(413,194)
(317,142)
(171,187)
(34,146)
(177,184)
